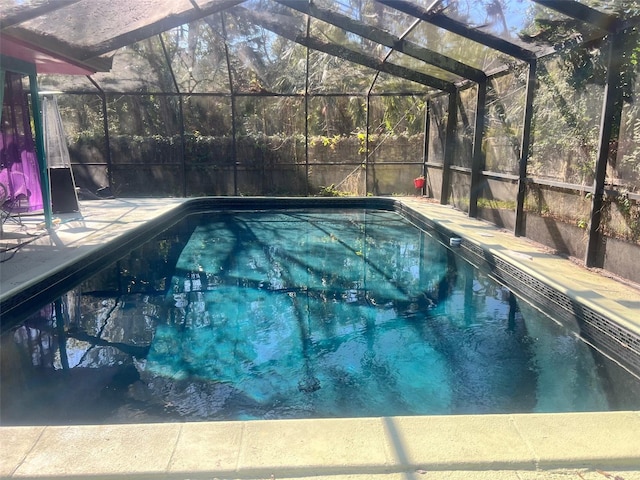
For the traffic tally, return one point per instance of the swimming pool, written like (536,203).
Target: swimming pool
(374,324)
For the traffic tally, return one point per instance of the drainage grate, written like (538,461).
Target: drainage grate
(605,334)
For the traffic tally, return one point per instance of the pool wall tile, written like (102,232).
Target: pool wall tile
(15,444)
(94,451)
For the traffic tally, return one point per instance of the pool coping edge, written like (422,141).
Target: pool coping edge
(298,448)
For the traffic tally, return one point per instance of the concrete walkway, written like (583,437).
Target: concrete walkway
(30,252)
(465,446)
(592,446)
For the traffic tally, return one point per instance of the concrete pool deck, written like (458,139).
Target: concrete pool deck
(514,447)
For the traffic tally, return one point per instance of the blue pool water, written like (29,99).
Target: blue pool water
(295,315)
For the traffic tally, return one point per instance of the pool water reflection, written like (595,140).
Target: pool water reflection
(297,315)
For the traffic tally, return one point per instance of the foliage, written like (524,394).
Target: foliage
(231,53)
(621,217)
(330,191)
(565,128)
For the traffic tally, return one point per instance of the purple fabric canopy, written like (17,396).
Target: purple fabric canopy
(19,173)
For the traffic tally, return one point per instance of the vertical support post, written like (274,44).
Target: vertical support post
(425,146)
(367,152)
(234,148)
(183,149)
(40,153)
(366,147)
(181,112)
(477,160)
(609,131)
(107,139)
(2,70)
(105,126)
(525,141)
(306,113)
(452,119)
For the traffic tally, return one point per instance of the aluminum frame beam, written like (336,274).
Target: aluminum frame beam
(268,21)
(18,14)
(477,160)
(525,141)
(584,13)
(440,20)
(388,40)
(609,131)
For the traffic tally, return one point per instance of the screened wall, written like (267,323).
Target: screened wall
(519,112)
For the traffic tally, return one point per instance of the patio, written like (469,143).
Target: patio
(501,447)
(517,117)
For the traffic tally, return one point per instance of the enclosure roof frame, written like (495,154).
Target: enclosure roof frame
(97,54)
(384,38)
(265,20)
